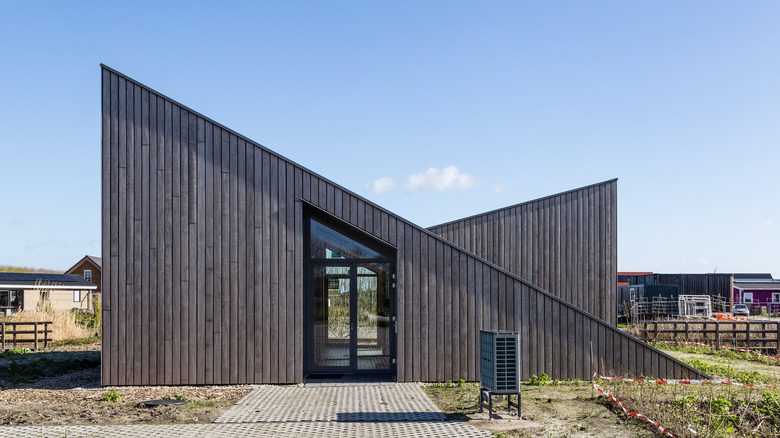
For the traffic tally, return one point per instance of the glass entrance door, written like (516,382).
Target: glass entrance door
(373,317)
(332,316)
(350,306)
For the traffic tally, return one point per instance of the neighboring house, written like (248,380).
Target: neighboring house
(227,263)
(26,291)
(757,290)
(717,286)
(90,268)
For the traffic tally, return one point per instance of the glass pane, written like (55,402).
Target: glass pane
(327,243)
(373,316)
(331,316)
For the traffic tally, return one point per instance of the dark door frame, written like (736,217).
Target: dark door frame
(389,257)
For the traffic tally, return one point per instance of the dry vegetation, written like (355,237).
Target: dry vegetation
(64,325)
(710,410)
(552,408)
(27,269)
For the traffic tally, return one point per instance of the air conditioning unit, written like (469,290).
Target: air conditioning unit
(500,361)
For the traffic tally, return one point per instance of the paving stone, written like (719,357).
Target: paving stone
(377,403)
(284,411)
(277,430)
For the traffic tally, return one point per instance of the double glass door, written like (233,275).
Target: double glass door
(352,324)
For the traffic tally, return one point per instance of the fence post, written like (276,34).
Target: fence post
(777,338)
(778,331)
(747,335)
(687,332)
(35,328)
(15,329)
(655,330)
(45,335)
(717,334)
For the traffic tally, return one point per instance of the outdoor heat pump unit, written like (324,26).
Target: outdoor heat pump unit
(499,361)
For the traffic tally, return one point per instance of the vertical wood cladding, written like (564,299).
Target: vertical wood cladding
(203,261)
(565,244)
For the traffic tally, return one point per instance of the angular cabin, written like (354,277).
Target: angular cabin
(226,263)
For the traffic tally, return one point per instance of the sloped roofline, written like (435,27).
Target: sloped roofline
(92,259)
(525,203)
(418,227)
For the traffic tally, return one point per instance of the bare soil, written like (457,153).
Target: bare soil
(76,397)
(569,410)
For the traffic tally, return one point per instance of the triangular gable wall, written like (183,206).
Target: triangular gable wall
(564,243)
(203,273)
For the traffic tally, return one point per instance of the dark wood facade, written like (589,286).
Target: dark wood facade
(203,255)
(719,287)
(565,244)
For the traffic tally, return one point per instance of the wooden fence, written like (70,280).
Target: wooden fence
(754,335)
(15,334)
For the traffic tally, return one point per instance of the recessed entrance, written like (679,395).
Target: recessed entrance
(350,301)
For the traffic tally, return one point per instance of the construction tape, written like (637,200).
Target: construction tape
(632,414)
(676,382)
(723,347)
(683,382)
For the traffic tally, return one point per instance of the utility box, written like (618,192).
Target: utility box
(500,361)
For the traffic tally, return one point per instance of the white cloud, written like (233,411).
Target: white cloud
(449,178)
(382,185)
(702,261)
(767,223)
(500,188)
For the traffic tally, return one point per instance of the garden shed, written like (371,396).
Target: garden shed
(226,263)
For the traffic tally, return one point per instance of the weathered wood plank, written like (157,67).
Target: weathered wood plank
(282,279)
(299,277)
(401,298)
(241,266)
(248,244)
(267,256)
(421,251)
(290,272)
(441,310)
(274,268)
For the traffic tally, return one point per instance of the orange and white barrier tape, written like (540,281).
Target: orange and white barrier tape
(632,414)
(682,382)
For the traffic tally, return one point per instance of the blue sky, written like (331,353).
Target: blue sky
(435,110)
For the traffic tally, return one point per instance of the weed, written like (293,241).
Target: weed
(542,380)
(111,396)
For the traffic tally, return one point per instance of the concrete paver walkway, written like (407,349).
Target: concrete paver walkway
(333,403)
(283,411)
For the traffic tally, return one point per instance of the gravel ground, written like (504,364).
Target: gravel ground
(76,397)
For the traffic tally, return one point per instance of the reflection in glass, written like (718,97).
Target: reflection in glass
(327,243)
(332,293)
(373,316)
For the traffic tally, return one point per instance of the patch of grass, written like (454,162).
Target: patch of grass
(15,351)
(200,403)
(725,353)
(78,341)
(15,372)
(455,399)
(746,377)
